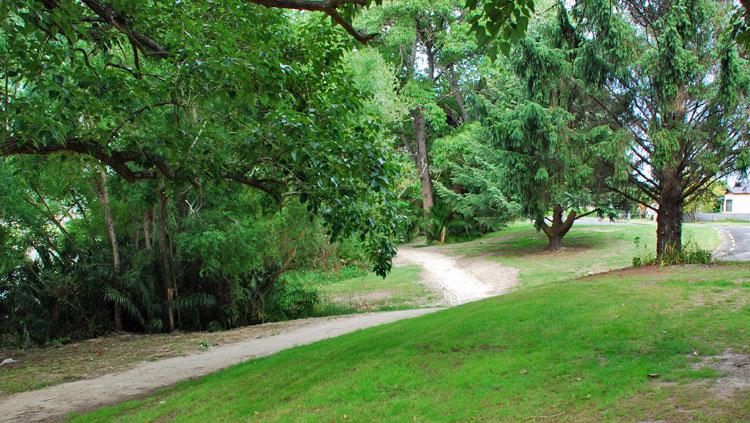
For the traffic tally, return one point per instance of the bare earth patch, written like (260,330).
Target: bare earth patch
(735,368)
(724,399)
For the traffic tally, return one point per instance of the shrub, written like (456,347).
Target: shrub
(690,254)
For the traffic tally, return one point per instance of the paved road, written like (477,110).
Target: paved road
(735,243)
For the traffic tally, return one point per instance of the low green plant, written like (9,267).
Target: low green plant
(690,253)
(205,346)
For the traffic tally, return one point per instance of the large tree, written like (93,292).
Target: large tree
(671,82)
(543,141)
(431,50)
(216,99)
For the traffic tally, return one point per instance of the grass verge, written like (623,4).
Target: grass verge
(587,249)
(610,347)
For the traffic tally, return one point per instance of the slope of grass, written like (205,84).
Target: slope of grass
(587,249)
(579,350)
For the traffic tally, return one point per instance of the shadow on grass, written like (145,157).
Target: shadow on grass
(526,244)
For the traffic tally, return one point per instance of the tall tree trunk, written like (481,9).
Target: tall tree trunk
(558,228)
(165,260)
(669,216)
(430,61)
(102,191)
(147,221)
(457,95)
(6,112)
(421,159)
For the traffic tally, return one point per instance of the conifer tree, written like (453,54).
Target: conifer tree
(670,81)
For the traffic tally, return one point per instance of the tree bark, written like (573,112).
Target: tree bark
(421,159)
(457,96)
(102,191)
(430,61)
(558,228)
(147,222)
(669,217)
(165,260)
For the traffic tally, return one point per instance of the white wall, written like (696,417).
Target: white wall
(740,203)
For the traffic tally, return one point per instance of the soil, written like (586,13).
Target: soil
(735,370)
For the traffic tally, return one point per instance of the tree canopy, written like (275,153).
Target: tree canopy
(176,161)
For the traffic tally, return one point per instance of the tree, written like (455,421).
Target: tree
(469,184)
(673,85)
(188,110)
(432,51)
(543,140)
(228,103)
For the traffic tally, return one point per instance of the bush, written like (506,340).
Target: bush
(690,254)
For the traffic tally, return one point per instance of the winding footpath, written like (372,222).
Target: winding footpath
(459,280)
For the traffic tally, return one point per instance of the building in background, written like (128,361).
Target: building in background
(737,199)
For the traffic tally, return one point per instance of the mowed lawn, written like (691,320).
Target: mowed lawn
(611,347)
(587,248)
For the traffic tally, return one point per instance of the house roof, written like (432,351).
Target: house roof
(740,188)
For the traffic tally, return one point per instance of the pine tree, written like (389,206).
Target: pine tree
(546,143)
(669,79)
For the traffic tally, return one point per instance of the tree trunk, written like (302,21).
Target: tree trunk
(558,228)
(147,219)
(102,192)
(421,159)
(457,96)
(165,260)
(669,217)
(430,61)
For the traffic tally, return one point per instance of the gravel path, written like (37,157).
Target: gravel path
(460,279)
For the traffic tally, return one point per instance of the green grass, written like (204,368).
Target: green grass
(355,289)
(580,350)
(587,249)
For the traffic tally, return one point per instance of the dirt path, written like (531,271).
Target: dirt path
(460,279)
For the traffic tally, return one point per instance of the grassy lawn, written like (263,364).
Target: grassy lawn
(587,249)
(619,346)
(360,290)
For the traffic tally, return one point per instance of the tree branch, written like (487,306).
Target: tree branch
(630,197)
(358,35)
(135,114)
(587,213)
